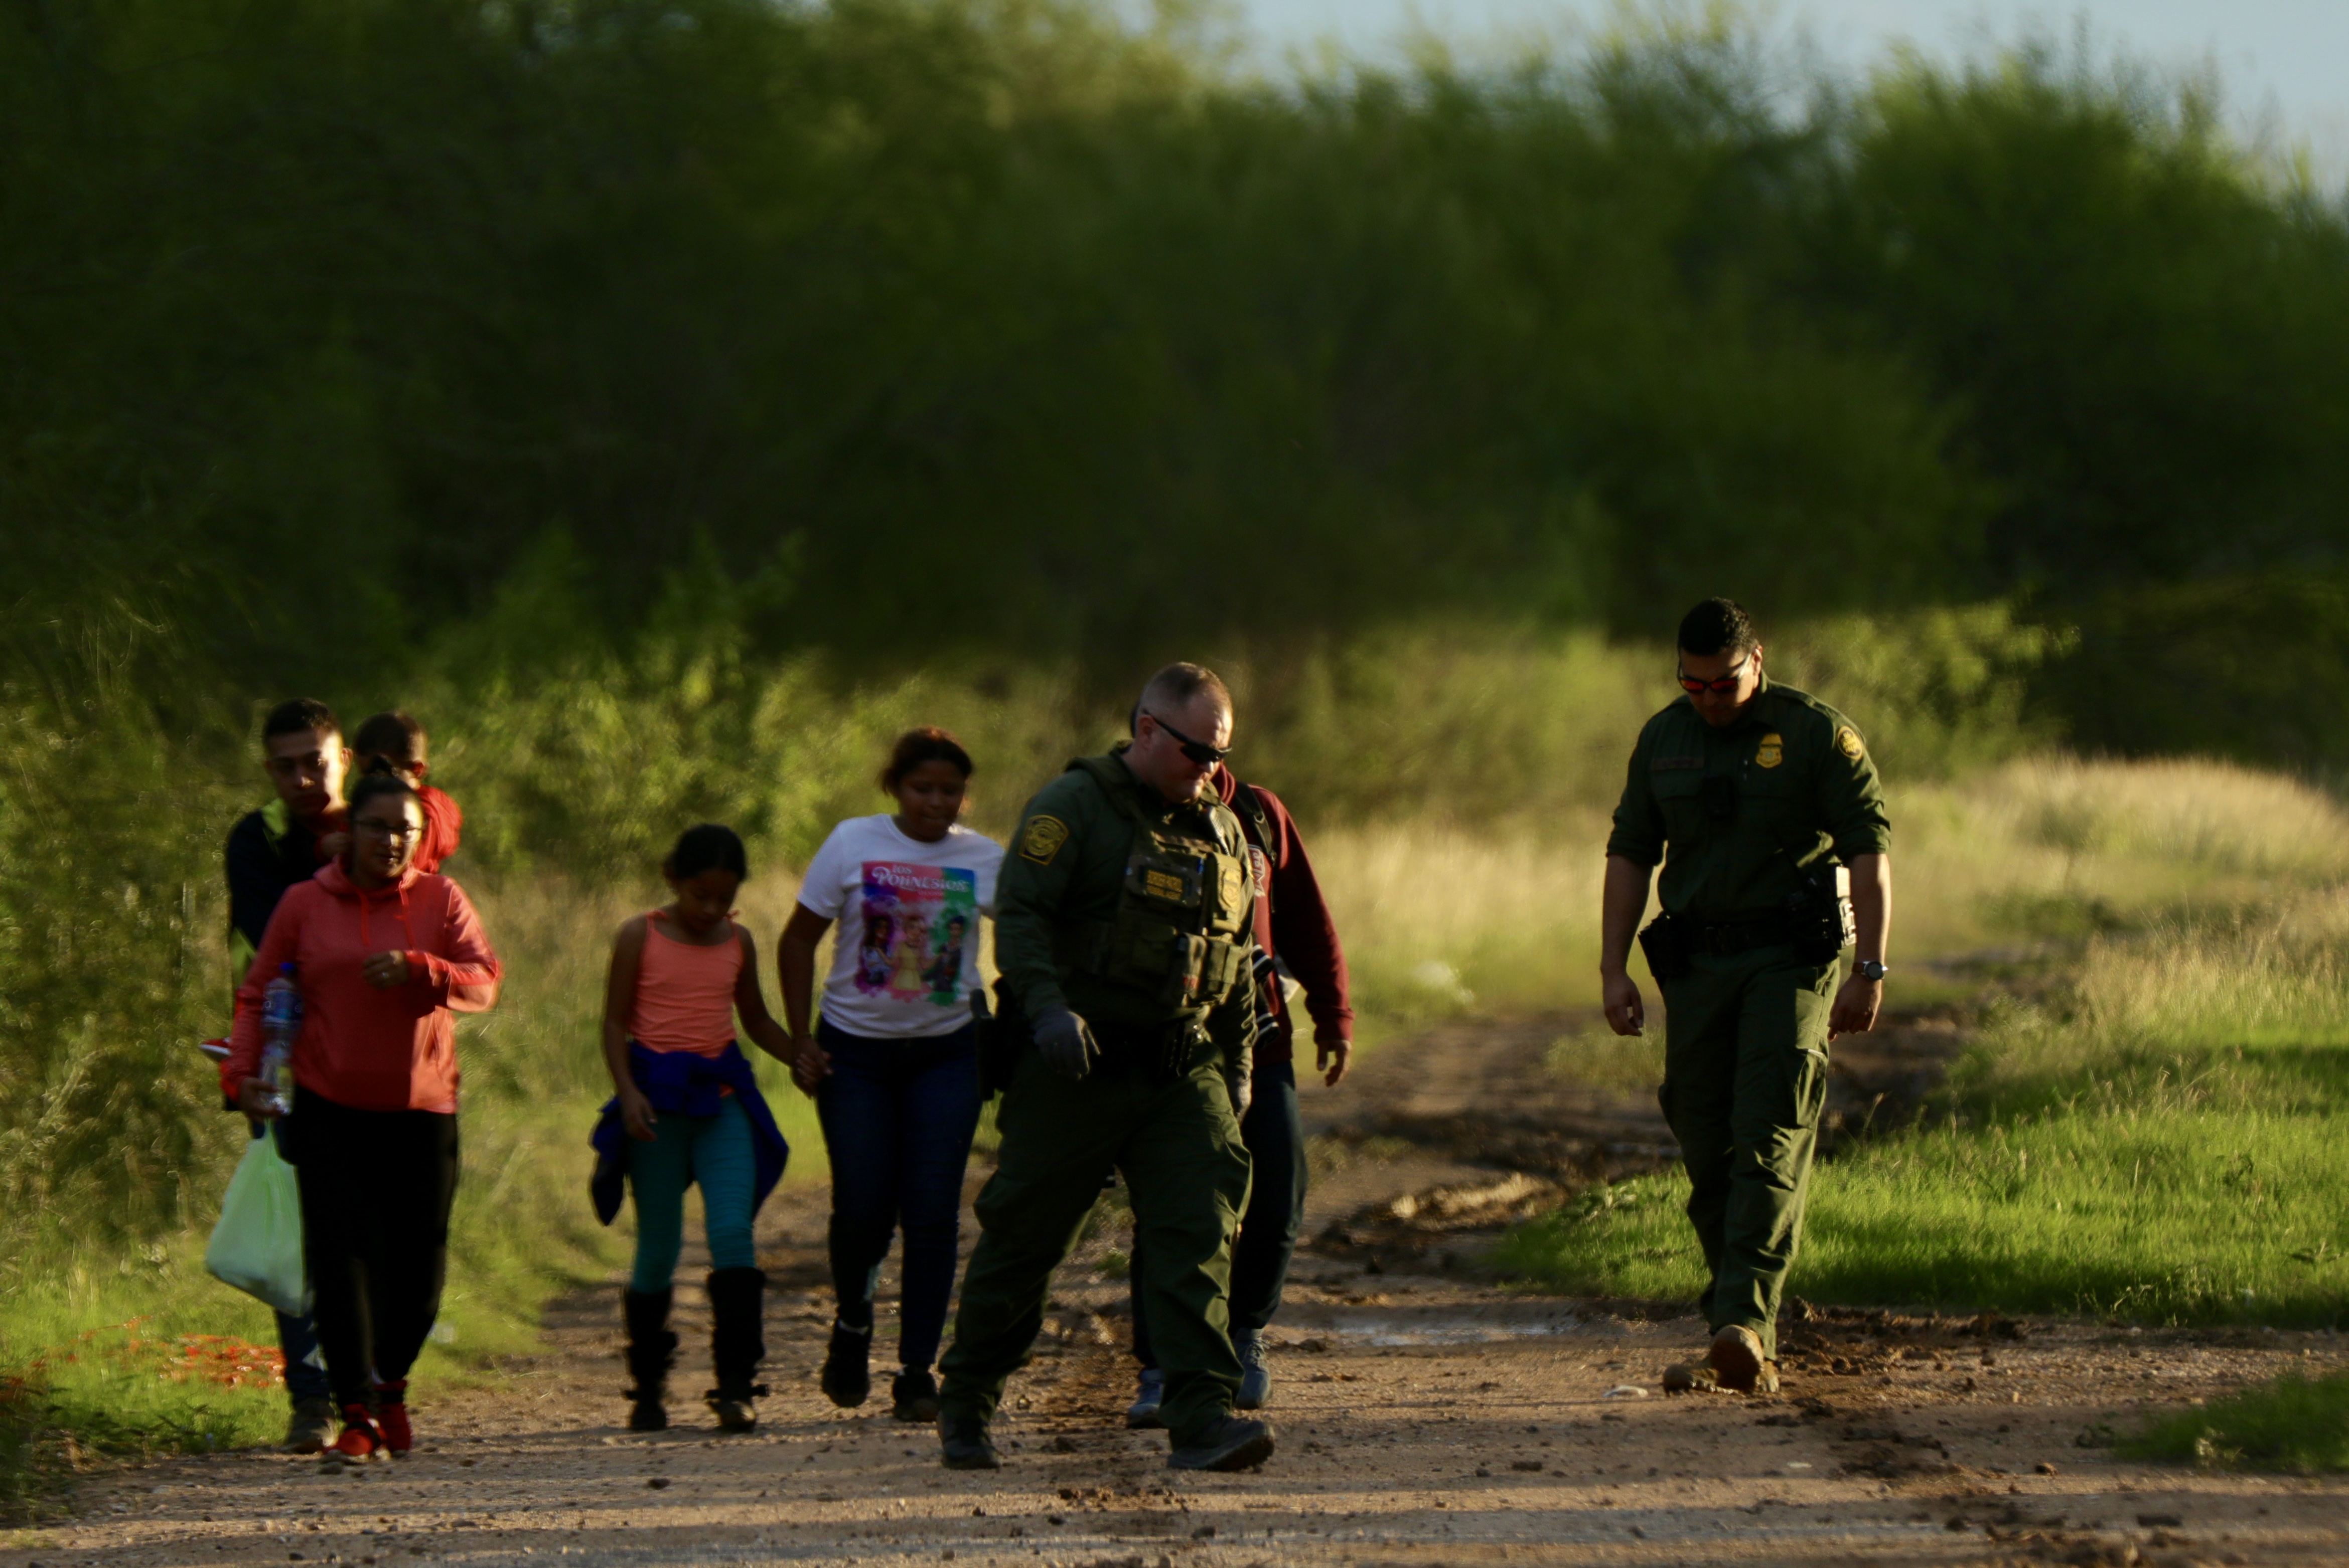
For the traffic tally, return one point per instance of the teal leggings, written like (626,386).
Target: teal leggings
(713,1151)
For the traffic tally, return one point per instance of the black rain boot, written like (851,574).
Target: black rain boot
(651,1348)
(738,1311)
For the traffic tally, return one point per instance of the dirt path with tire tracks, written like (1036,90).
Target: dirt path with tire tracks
(1426,1415)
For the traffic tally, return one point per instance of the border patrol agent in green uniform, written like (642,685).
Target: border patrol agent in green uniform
(1763,805)
(1122,931)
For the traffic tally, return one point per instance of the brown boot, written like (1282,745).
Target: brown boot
(1738,1361)
(1690,1377)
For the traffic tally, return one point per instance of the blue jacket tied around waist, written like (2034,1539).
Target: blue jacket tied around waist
(680,1083)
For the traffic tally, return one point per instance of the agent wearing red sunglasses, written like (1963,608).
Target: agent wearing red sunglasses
(1764,806)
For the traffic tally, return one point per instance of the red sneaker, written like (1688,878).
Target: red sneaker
(361,1439)
(391,1415)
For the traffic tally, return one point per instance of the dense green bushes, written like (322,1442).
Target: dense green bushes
(974,326)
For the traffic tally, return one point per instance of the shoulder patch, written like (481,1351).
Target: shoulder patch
(1044,839)
(1848,742)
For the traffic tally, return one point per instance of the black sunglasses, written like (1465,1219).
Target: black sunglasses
(1199,751)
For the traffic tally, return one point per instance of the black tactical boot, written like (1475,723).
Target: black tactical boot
(1236,1444)
(651,1348)
(963,1444)
(738,1308)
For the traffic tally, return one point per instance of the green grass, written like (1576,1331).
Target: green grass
(2096,1154)
(2156,1219)
(2296,1423)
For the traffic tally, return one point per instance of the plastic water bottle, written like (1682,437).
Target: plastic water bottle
(281,1025)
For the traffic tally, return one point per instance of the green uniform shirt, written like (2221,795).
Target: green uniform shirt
(1066,868)
(1799,787)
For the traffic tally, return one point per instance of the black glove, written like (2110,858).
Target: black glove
(1066,1043)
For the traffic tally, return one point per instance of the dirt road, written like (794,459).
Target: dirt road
(1426,1417)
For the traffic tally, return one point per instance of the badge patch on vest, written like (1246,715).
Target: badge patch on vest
(1848,742)
(1236,885)
(1772,751)
(1044,839)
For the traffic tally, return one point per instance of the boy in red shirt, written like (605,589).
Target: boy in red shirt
(394,743)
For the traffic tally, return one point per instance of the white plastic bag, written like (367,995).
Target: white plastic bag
(257,1244)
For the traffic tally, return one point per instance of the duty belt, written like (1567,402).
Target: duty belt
(1744,935)
(1158,1053)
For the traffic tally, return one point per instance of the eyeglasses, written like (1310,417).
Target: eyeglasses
(1199,751)
(1727,683)
(383,829)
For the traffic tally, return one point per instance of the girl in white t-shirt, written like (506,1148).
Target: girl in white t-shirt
(893,1061)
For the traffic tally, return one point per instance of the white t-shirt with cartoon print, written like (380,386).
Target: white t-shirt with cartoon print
(905,958)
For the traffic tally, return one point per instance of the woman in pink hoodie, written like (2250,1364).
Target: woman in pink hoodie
(384,955)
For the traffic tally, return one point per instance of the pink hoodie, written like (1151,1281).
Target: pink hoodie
(368,1049)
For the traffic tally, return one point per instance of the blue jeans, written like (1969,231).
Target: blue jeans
(713,1152)
(1274,1132)
(306,1367)
(898,1116)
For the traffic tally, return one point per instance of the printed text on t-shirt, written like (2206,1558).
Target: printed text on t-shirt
(917,923)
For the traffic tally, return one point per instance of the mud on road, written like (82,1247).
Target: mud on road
(1427,1416)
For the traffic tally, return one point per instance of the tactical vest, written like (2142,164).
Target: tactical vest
(1180,933)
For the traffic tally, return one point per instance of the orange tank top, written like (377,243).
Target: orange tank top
(685,991)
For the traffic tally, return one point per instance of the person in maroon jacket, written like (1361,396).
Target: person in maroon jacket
(1293,931)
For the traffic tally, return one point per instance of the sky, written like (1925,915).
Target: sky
(2285,63)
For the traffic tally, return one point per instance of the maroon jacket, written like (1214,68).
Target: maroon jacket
(1292,923)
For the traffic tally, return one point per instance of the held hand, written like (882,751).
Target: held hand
(257,1100)
(637,1114)
(1626,1013)
(1243,1093)
(811,1064)
(1856,1007)
(1333,1057)
(385,970)
(1066,1043)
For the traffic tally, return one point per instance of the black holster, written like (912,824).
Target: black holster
(1820,919)
(1002,1036)
(1670,946)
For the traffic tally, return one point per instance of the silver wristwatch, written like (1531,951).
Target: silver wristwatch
(1868,968)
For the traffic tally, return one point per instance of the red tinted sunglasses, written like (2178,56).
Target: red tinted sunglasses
(1726,684)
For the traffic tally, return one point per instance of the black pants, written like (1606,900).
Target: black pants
(1275,1135)
(377,1187)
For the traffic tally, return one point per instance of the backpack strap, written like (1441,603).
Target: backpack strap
(1250,807)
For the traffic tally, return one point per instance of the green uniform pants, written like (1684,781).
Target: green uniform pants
(1188,1172)
(1746,1076)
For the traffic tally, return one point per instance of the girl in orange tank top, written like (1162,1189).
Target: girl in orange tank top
(685,987)
(680,975)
